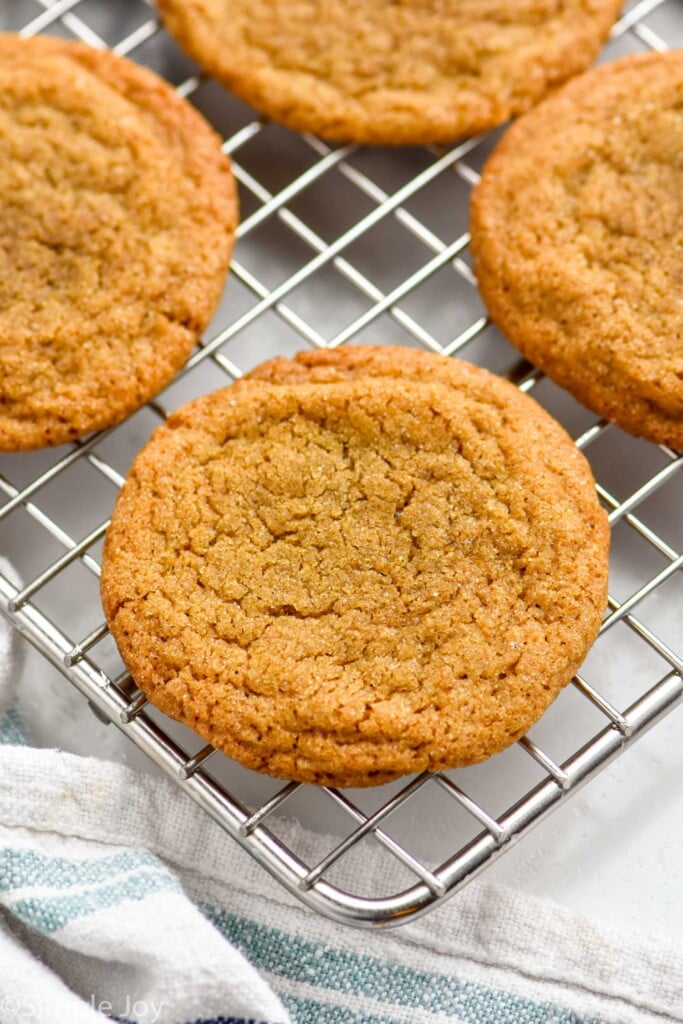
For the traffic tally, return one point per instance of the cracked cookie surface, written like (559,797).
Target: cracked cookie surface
(345,581)
(577,237)
(117,215)
(400,72)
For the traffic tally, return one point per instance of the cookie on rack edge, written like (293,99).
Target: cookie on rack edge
(360,574)
(577,238)
(117,216)
(391,73)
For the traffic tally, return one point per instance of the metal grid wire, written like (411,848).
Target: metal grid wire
(350,245)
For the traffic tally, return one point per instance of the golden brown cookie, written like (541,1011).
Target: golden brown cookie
(394,73)
(345,581)
(577,237)
(117,215)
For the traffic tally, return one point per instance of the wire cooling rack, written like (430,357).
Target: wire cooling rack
(342,245)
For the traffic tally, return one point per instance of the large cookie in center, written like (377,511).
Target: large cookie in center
(348,581)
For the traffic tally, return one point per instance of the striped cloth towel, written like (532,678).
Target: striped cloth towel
(120,899)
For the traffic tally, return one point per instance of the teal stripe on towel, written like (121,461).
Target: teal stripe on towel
(339,970)
(51,913)
(22,867)
(312,1011)
(12,728)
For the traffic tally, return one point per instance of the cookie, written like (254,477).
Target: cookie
(117,216)
(345,581)
(577,241)
(391,73)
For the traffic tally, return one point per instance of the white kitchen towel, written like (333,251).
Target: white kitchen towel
(120,898)
(109,879)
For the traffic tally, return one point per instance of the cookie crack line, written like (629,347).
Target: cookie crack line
(433,597)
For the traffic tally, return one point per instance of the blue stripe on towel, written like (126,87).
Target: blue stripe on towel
(211,1020)
(12,728)
(308,1011)
(229,1020)
(22,867)
(50,913)
(338,970)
